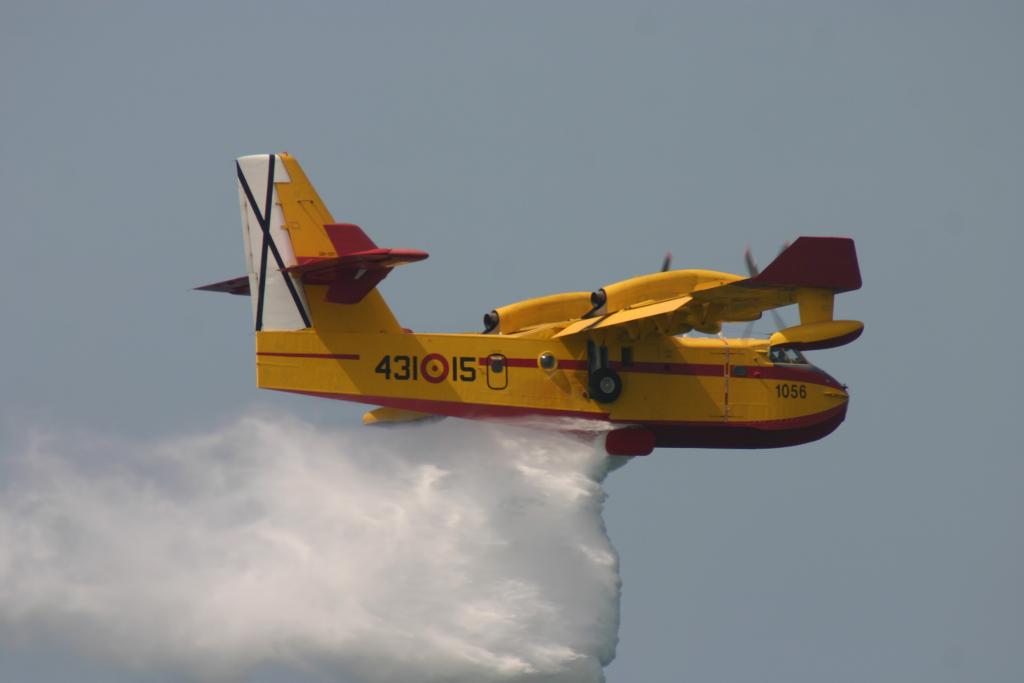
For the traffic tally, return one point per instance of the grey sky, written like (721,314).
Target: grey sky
(541,147)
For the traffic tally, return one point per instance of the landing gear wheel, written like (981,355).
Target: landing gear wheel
(605,385)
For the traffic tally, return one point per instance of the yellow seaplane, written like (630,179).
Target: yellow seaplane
(616,358)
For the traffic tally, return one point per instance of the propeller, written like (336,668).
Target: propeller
(667,262)
(754,271)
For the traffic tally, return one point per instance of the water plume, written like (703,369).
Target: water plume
(450,551)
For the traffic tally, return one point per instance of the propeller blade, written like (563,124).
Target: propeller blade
(754,271)
(779,322)
(751,264)
(667,263)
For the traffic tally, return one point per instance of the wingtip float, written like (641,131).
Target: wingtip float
(612,355)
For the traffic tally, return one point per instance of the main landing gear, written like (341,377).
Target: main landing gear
(604,384)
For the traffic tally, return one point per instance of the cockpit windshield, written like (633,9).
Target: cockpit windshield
(786,354)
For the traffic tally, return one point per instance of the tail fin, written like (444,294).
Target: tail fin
(278,298)
(305,270)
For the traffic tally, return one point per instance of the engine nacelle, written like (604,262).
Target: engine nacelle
(532,312)
(655,287)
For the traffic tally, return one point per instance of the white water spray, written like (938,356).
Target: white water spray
(451,551)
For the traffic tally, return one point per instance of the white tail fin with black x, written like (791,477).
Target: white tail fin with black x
(278,301)
(305,270)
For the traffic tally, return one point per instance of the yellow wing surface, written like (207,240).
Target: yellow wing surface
(808,273)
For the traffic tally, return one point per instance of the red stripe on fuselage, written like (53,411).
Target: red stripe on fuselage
(737,435)
(808,375)
(781,424)
(334,356)
(693,369)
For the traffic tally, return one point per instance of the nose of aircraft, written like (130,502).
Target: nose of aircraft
(833,384)
(831,412)
(836,393)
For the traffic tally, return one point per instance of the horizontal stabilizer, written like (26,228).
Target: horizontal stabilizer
(236,285)
(359,266)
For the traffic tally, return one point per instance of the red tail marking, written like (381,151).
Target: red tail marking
(348,238)
(359,266)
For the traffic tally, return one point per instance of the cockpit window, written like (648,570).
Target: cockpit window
(785,354)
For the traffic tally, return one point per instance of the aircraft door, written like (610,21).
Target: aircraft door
(724,411)
(743,393)
(497,371)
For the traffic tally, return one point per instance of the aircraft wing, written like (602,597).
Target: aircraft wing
(657,317)
(810,272)
(704,311)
